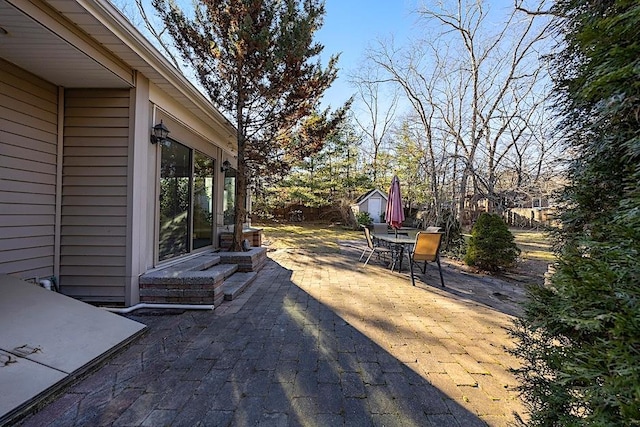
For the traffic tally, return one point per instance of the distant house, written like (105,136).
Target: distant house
(374,202)
(88,196)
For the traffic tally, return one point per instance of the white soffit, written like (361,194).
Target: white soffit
(101,49)
(32,46)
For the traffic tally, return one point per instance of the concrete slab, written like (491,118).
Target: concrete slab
(21,380)
(49,337)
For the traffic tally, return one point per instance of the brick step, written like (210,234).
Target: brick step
(252,260)
(199,280)
(237,283)
(186,287)
(216,273)
(201,262)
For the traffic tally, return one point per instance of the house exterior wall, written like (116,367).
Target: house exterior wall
(28,150)
(94,194)
(79,178)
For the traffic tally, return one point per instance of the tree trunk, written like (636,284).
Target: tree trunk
(241,181)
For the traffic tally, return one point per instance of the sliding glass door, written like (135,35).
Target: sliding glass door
(202,200)
(186,200)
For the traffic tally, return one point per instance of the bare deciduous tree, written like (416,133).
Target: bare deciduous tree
(379,110)
(473,85)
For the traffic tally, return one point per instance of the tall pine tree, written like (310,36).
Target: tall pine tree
(580,337)
(259,64)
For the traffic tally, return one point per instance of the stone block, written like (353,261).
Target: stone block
(252,260)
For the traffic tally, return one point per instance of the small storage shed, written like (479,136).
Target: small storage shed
(374,202)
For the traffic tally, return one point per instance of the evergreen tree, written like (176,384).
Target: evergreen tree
(258,63)
(327,177)
(491,246)
(580,336)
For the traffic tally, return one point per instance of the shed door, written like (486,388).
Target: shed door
(374,209)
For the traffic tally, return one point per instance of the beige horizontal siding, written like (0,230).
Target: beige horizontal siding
(29,220)
(91,132)
(38,252)
(97,181)
(16,89)
(26,209)
(97,171)
(92,220)
(107,261)
(98,250)
(32,268)
(28,138)
(103,291)
(28,115)
(115,241)
(24,175)
(35,145)
(90,102)
(11,197)
(92,201)
(18,153)
(23,232)
(98,142)
(26,243)
(68,211)
(79,112)
(94,195)
(17,164)
(100,151)
(93,161)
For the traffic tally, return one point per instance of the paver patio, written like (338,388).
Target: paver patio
(317,340)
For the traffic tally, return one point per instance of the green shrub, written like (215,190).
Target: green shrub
(364,218)
(492,245)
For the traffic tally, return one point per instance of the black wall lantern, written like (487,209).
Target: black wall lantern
(159,133)
(225,166)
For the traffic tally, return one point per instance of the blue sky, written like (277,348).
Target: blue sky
(351,25)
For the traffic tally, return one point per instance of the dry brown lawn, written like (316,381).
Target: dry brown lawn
(320,237)
(312,237)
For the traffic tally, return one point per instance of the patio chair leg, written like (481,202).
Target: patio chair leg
(363,252)
(368,258)
(424,268)
(413,280)
(440,270)
(394,259)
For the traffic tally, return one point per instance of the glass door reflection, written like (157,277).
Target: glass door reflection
(202,200)
(175,188)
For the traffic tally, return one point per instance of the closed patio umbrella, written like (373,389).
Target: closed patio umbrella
(394,215)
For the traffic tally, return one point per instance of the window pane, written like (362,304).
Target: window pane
(229,199)
(174,199)
(202,200)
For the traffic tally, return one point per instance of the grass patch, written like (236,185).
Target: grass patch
(535,245)
(323,238)
(312,237)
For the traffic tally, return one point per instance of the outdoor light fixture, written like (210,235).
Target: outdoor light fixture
(225,166)
(160,133)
